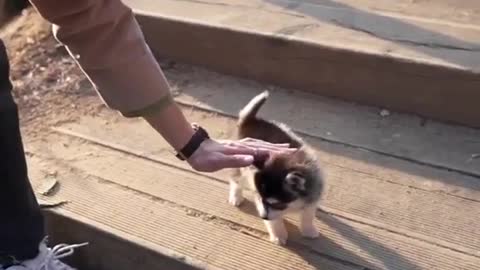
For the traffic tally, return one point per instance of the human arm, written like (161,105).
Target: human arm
(108,45)
(212,155)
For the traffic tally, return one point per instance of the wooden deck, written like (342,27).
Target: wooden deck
(401,193)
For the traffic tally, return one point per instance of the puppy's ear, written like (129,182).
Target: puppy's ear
(259,160)
(296,181)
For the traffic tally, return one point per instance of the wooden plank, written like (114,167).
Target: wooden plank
(351,241)
(357,191)
(191,234)
(109,128)
(363,127)
(439,145)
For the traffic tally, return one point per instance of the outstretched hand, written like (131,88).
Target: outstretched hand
(215,155)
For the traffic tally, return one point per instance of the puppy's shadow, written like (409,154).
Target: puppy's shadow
(248,207)
(297,245)
(325,252)
(367,254)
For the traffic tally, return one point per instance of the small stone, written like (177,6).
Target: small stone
(423,122)
(384,113)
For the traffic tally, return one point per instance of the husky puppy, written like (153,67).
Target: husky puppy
(282,183)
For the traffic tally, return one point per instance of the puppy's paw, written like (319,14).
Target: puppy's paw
(235,198)
(235,195)
(279,240)
(309,231)
(280,236)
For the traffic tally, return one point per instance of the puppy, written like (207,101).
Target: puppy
(282,183)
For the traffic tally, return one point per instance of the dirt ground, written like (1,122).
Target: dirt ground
(48,85)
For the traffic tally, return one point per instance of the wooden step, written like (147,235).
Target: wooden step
(199,239)
(356,136)
(387,55)
(401,193)
(187,213)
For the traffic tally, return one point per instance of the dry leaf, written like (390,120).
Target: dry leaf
(47,187)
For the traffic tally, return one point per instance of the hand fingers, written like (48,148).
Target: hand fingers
(248,142)
(244,150)
(260,143)
(263,145)
(276,149)
(233,161)
(251,146)
(238,150)
(267,146)
(272,147)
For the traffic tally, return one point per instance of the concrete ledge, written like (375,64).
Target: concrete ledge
(110,248)
(440,82)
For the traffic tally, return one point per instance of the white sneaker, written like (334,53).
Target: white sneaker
(48,258)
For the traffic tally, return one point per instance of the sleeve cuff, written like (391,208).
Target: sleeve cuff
(155,107)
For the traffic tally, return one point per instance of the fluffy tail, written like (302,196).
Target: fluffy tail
(250,110)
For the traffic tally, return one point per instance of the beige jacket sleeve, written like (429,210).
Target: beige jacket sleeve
(107,43)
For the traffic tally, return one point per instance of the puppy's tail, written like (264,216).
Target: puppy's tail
(250,110)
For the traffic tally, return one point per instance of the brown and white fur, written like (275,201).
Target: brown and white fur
(282,183)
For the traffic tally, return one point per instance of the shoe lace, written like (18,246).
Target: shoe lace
(56,253)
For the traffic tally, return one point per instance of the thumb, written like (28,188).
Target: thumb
(235,161)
